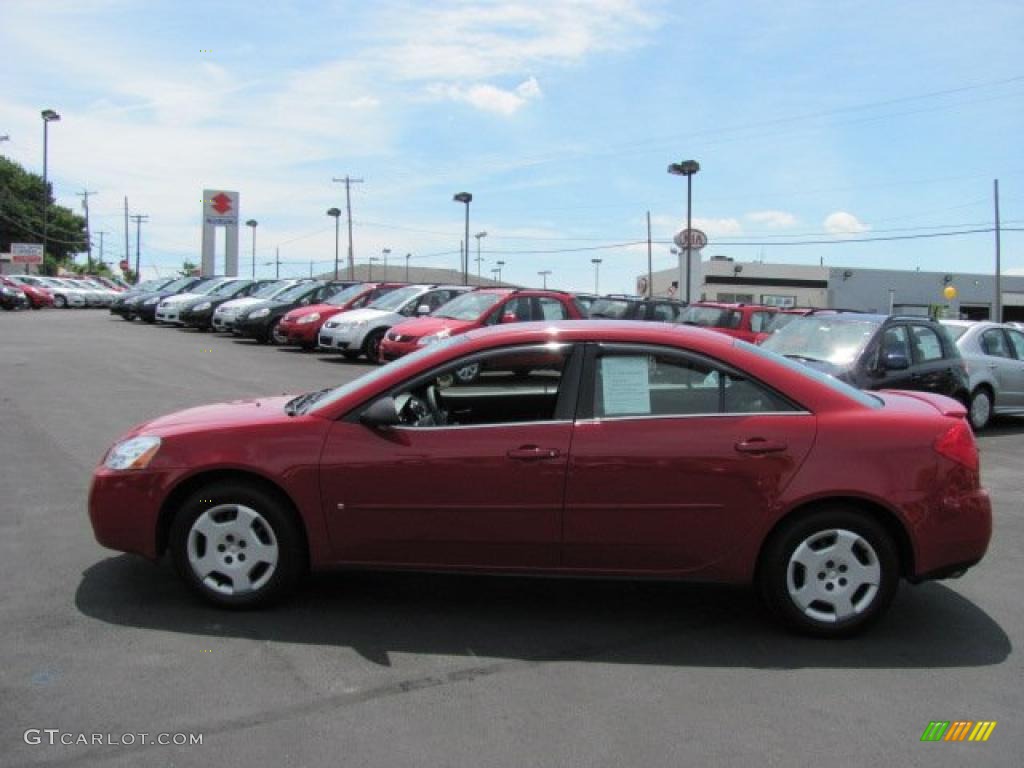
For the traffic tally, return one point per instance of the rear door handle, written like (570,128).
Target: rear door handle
(532,453)
(760,445)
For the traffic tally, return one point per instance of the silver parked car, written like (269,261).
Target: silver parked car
(994,354)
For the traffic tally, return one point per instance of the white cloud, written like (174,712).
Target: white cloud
(843,223)
(773,219)
(489,98)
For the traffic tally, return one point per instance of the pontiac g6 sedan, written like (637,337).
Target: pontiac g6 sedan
(601,448)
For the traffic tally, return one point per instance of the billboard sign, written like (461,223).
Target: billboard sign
(27,253)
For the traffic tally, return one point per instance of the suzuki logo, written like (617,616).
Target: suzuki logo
(221,203)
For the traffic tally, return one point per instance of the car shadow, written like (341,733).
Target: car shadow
(1004,425)
(534,619)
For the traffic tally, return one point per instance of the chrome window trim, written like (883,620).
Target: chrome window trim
(598,420)
(409,428)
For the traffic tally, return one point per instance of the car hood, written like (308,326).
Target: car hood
(426,326)
(240,304)
(181,298)
(372,316)
(325,310)
(266,410)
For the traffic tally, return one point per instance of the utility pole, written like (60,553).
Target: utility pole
(348,207)
(998,304)
(407,257)
(101,234)
(84,194)
(650,260)
(138,219)
(335,268)
(127,248)
(384,252)
(597,274)
(277,263)
(544,274)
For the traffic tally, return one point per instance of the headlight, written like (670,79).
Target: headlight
(154,300)
(433,338)
(134,453)
(259,313)
(306,319)
(202,307)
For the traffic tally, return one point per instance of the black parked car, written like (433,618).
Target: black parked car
(260,321)
(145,309)
(876,351)
(124,305)
(13,298)
(618,306)
(198,313)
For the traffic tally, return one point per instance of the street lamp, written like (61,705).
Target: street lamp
(500,265)
(407,257)
(251,223)
(467,198)
(369,277)
(479,258)
(597,267)
(336,213)
(49,116)
(384,253)
(497,272)
(544,275)
(686,168)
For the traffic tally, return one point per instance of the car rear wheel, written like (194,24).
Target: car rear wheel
(371,346)
(59,301)
(980,409)
(236,546)
(274,335)
(830,573)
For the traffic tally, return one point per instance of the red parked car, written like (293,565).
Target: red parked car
(38,297)
(741,321)
(626,449)
(301,326)
(478,309)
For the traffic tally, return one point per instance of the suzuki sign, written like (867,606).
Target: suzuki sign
(220,209)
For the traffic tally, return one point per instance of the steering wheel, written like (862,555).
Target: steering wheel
(434,403)
(422,411)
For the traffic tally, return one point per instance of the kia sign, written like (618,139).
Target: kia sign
(220,208)
(27,253)
(693,238)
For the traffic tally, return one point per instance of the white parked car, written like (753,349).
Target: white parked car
(359,331)
(224,316)
(65,295)
(167,311)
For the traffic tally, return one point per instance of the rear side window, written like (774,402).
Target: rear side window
(1017,340)
(759,321)
(927,345)
(994,343)
(551,309)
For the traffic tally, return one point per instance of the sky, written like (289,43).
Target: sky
(844,123)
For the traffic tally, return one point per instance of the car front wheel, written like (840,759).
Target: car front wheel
(371,347)
(237,546)
(831,573)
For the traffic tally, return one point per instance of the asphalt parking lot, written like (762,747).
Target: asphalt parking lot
(412,670)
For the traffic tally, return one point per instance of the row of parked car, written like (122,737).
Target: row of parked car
(38,292)
(980,364)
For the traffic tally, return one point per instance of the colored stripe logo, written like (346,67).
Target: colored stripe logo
(958,730)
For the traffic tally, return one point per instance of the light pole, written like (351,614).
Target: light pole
(479,258)
(679,269)
(407,257)
(496,271)
(544,275)
(372,259)
(686,168)
(500,265)
(49,116)
(597,268)
(251,223)
(467,198)
(336,213)
(384,253)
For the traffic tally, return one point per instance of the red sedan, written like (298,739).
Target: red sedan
(38,297)
(635,449)
(301,326)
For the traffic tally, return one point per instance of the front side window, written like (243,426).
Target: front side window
(927,344)
(895,342)
(667,384)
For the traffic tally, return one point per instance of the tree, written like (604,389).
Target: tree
(21,216)
(188,268)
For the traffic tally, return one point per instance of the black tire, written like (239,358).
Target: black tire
(979,408)
(292,555)
(272,338)
(59,301)
(776,570)
(371,345)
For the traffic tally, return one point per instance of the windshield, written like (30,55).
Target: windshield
(228,288)
(469,306)
(871,401)
(709,317)
(616,309)
(211,287)
(393,301)
(834,339)
(295,292)
(402,363)
(343,297)
(179,284)
(271,289)
(780,320)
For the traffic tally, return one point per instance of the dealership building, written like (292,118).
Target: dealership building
(722,278)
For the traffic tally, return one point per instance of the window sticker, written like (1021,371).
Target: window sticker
(625,385)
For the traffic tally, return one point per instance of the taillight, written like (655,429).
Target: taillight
(957,444)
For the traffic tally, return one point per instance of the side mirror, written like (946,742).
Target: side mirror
(381,415)
(423,309)
(895,361)
(509,317)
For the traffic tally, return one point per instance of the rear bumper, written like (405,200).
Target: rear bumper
(954,537)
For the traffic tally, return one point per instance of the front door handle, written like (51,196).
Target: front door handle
(532,453)
(758,445)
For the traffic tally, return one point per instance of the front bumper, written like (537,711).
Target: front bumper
(146,312)
(171,314)
(124,509)
(302,334)
(194,319)
(252,329)
(392,350)
(224,321)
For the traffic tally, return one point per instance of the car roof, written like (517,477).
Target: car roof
(632,331)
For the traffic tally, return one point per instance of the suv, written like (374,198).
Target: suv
(995,360)
(359,331)
(619,306)
(477,309)
(743,321)
(876,351)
